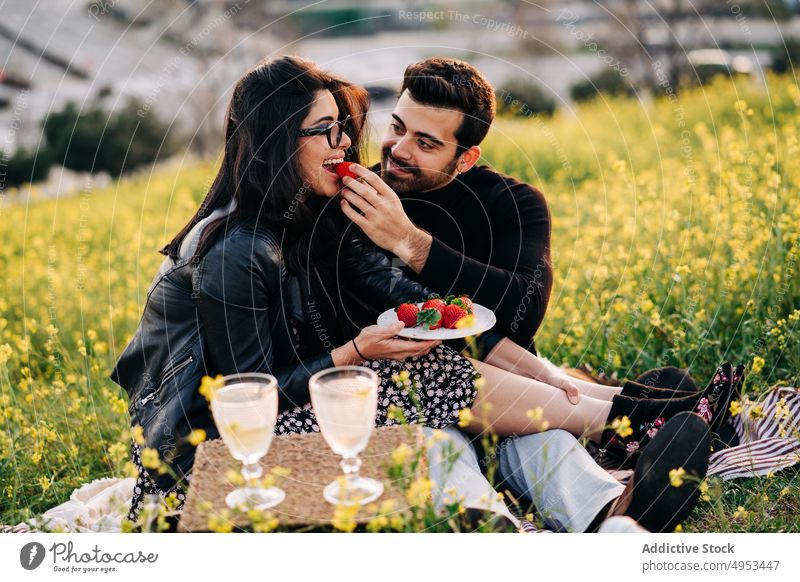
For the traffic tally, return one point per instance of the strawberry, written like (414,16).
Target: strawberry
(452,314)
(407,313)
(430,318)
(434,303)
(462,301)
(343,169)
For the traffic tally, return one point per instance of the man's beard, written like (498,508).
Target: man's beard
(416,180)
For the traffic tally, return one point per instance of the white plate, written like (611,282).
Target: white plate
(484,320)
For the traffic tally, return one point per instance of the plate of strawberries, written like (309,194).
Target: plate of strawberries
(442,318)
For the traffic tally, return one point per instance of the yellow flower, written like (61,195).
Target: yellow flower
(402,454)
(622,426)
(419,491)
(676,476)
(536,416)
(45,483)
(343,517)
(465,417)
(280,472)
(437,436)
(756,412)
(220,523)
(150,458)
(209,385)
(235,478)
(703,487)
(735,407)
(678,528)
(137,434)
(757,365)
(196,437)
(740,512)
(5,353)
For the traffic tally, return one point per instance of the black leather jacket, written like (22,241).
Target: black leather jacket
(230,312)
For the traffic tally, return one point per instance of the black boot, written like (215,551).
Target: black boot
(647,416)
(636,390)
(668,377)
(654,498)
(724,435)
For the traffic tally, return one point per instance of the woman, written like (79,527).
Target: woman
(246,286)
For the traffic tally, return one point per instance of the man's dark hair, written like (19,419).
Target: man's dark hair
(454,84)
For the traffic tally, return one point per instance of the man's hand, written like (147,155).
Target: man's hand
(377,210)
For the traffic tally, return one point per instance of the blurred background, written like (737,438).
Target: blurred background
(106,87)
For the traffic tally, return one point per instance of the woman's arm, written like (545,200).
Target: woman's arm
(238,306)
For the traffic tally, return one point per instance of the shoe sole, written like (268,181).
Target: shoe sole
(684,441)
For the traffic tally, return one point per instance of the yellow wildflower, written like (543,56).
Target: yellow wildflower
(45,483)
(678,528)
(150,458)
(676,476)
(703,487)
(756,412)
(740,513)
(137,434)
(437,436)
(280,472)
(622,426)
(735,407)
(196,437)
(757,365)
(235,478)
(5,353)
(402,454)
(209,385)
(419,491)
(465,417)
(343,517)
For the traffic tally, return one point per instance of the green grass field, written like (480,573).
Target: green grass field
(676,238)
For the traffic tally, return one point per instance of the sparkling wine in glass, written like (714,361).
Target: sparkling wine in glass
(245,410)
(345,401)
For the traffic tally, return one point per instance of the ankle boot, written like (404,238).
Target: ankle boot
(668,377)
(636,390)
(723,408)
(651,497)
(647,416)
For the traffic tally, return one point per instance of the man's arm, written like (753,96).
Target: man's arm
(517,280)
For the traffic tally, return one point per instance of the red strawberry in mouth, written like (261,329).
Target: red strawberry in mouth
(407,313)
(343,169)
(452,315)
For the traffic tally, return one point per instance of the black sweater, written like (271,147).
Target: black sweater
(491,240)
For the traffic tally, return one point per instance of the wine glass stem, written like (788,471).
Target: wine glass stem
(350,466)
(251,472)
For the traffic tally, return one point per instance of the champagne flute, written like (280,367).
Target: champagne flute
(345,401)
(245,410)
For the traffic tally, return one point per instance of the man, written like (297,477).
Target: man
(462,228)
(459,227)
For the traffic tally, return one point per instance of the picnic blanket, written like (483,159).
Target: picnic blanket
(767,430)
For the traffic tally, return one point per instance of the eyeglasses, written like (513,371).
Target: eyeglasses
(333,131)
